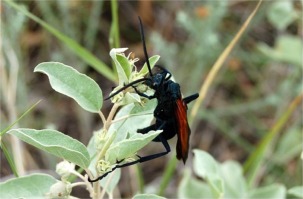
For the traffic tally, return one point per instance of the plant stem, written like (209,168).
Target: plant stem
(111,116)
(114,31)
(168,173)
(106,122)
(102,117)
(219,62)
(255,160)
(10,93)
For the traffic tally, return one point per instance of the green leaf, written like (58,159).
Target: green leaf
(287,49)
(9,157)
(75,47)
(217,186)
(289,146)
(206,167)
(92,150)
(190,187)
(147,196)
(281,14)
(122,125)
(296,191)
(56,143)
(130,98)
(272,191)
(104,142)
(91,146)
(148,107)
(111,181)
(138,117)
(152,61)
(124,62)
(128,147)
(234,182)
(31,186)
(68,81)
(124,67)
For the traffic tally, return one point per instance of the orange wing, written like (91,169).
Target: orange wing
(183,130)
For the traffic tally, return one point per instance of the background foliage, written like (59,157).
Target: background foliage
(261,77)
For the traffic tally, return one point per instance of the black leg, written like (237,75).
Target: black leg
(149,157)
(191,98)
(147,129)
(140,160)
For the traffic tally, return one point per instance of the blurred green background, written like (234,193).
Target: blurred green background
(254,88)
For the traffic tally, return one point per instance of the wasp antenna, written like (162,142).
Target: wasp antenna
(126,86)
(144,47)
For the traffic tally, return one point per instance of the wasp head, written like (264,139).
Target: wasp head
(156,80)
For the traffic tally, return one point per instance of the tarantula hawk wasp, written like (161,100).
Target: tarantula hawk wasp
(170,112)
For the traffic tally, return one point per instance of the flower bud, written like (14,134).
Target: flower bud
(103,166)
(64,169)
(60,190)
(100,139)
